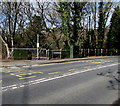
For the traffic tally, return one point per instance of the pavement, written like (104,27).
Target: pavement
(22,63)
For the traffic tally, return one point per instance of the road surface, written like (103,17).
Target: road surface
(78,82)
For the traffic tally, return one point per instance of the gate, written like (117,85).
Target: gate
(43,53)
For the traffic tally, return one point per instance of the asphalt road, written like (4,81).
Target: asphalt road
(79,82)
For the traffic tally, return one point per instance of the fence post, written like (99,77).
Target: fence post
(84,52)
(48,54)
(52,53)
(101,51)
(81,52)
(116,51)
(95,52)
(60,53)
(71,51)
(88,52)
(106,52)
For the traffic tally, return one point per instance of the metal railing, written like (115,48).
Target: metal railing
(48,54)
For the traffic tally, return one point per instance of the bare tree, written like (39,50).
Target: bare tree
(10,14)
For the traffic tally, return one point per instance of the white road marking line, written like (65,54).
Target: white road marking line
(97,62)
(20,85)
(53,73)
(87,67)
(27,77)
(15,86)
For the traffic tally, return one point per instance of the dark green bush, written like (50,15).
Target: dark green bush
(22,54)
(112,52)
(65,54)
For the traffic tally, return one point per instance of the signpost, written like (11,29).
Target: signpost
(37,46)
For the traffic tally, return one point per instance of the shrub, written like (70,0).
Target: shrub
(22,54)
(65,54)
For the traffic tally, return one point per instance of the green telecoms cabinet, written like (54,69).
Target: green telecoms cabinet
(74,52)
(71,51)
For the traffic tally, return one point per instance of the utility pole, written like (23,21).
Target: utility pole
(12,44)
(37,46)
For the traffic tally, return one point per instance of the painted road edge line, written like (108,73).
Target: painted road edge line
(15,86)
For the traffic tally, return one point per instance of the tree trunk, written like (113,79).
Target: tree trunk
(95,30)
(6,45)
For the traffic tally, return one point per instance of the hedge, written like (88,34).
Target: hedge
(22,54)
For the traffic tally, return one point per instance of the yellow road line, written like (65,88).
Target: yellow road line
(97,62)
(25,74)
(6,71)
(16,70)
(16,75)
(62,63)
(27,77)
(53,73)
(37,72)
(28,73)
(72,70)
(107,61)
(12,74)
(22,72)
(9,71)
